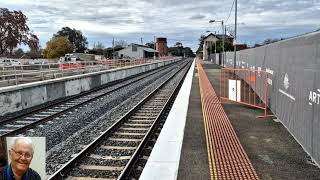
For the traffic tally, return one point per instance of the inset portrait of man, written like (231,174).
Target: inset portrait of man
(3,153)
(20,155)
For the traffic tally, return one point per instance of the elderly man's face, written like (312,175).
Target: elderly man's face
(21,156)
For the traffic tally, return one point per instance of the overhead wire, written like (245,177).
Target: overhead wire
(230,12)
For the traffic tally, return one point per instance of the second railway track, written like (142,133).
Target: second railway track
(13,126)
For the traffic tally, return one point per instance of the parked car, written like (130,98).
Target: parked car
(38,61)
(10,62)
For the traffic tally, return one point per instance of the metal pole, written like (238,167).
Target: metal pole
(113,49)
(224,36)
(225,54)
(15,74)
(154,47)
(215,44)
(210,52)
(235,35)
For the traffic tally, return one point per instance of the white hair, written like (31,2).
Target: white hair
(27,140)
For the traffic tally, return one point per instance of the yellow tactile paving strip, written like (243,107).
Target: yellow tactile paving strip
(227,158)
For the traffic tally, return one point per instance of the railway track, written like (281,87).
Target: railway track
(113,154)
(15,125)
(143,157)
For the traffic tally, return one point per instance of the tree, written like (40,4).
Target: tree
(188,52)
(201,41)
(33,43)
(107,52)
(179,50)
(179,44)
(257,45)
(120,43)
(150,45)
(18,53)
(227,47)
(75,37)
(13,30)
(57,46)
(269,40)
(98,47)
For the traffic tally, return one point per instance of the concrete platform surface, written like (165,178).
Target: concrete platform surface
(272,150)
(194,163)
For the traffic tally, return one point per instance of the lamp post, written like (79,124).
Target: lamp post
(235,35)
(215,44)
(223,39)
(154,47)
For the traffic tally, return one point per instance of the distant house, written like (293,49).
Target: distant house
(211,39)
(136,51)
(241,47)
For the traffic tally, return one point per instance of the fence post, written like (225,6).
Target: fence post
(42,76)
(3,74)
(15,74)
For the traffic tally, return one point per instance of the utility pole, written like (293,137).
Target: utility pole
(210,45)
(154,47)
(224,55)
(215,45)
(223,39)
(113,48)
(224,36)
(235,35)
(141,41)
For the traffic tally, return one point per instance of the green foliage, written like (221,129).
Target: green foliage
(150,44)
(98,47)
(57,46)
(18,53)
(179,50)
(201,40)
(75,37)
(189,52)
(227,47)
(107,52)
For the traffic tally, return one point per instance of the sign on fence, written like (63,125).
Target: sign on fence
(245,86)
(234,90)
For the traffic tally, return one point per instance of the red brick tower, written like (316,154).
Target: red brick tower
(161,46)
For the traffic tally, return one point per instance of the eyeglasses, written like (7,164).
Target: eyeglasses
(20,154)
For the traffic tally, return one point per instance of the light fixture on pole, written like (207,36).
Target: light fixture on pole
(223,39)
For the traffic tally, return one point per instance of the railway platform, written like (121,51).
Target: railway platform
(204,139)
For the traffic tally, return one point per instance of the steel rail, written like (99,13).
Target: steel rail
(10,120)
(107,133)
(128,168)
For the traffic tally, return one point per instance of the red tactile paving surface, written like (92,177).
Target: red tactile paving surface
(227,158)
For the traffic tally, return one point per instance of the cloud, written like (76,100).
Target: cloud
(197,16)
(182,20)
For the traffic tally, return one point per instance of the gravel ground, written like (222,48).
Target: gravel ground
(70,143)
(95,173)
(99,162)
(69,123)
(140,164)
(103,152)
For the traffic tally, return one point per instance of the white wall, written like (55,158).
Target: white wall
(133,54)
(38,162)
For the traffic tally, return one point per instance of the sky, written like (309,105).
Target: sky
(177,20)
